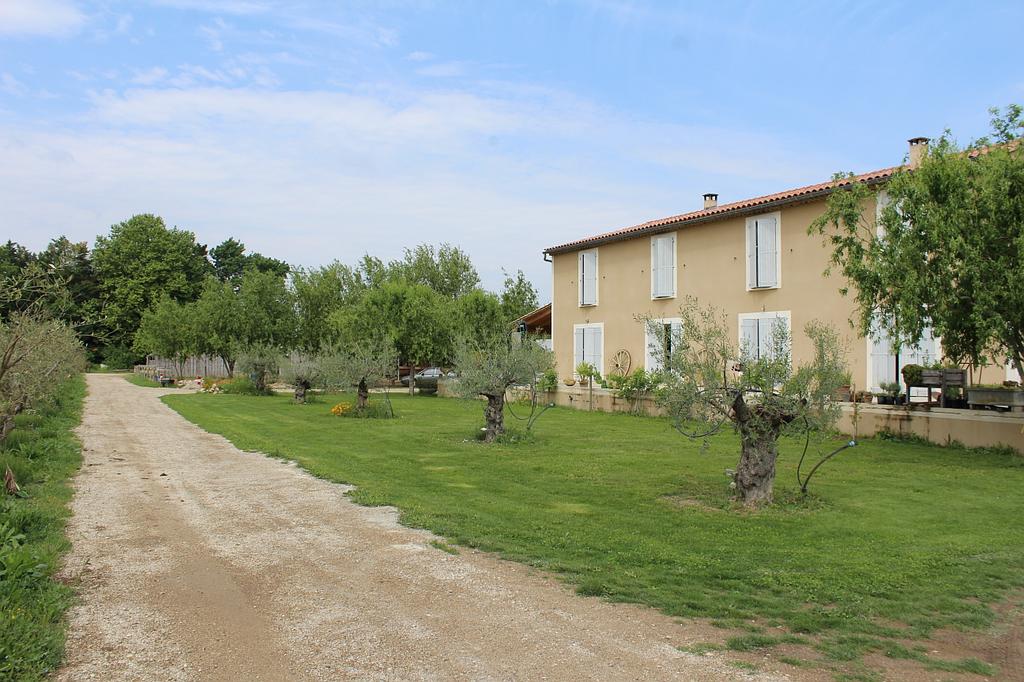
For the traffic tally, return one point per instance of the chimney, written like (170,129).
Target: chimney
(918,150)
(710,200)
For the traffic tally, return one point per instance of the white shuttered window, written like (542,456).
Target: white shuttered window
(663,266)
(661,337)
(763,252)
(757,331)
(588,277)
(589,345)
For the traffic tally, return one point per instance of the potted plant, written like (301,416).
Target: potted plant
(863,396)
(954,398)
(912,374)
(891,393)
(844,393)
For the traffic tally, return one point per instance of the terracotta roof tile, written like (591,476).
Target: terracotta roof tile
(723,211)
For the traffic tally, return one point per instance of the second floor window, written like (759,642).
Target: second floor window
(663,266)
(763,252)
(588,277)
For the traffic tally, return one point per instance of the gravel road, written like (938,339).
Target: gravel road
(196,561)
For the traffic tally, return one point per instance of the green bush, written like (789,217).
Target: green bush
(240,386)
(119,357)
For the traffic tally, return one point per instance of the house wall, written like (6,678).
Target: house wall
(711,266)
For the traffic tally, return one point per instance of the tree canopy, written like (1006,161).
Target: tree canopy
(139,261)
(946,249)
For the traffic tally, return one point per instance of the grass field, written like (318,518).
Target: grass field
(43,453)
(896,540)
(143,381)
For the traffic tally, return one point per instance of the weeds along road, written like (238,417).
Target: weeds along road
(196,561)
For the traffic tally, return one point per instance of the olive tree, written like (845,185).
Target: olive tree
(360,366)
(711,383)
(302,372)
(37,355)
(261,362)
(489,367)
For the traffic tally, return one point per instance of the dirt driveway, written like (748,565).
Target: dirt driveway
(195,560)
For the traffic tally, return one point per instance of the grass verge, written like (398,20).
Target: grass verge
(143,381)
(43,453)
(897,539)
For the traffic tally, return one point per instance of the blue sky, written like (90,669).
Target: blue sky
(320,131)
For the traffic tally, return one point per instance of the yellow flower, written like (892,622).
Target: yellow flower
(341,408)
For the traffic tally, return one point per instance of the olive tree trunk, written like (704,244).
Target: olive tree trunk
(755,474)
(494,416)
(300,391)
(362,395)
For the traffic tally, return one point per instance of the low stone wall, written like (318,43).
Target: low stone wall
(973,428)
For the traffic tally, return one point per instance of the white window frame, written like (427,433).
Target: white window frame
(579,277)
(600,353)
(750,222)
(671,237)
(648,341)
(769,315)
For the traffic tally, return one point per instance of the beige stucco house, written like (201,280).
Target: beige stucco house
(754,259)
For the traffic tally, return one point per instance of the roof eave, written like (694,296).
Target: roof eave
(698,220)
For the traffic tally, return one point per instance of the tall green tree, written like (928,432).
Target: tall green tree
(321,292)
(415,317)
(218,321)
(168,330)
(230,261)
(518,296)
(447,270)
(137,263)
(266,311)
(948,249)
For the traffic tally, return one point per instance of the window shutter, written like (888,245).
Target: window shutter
(592,347)
(767,253)
(748,338)
(752,254)
(656,266)
(765,336)
(588,278)
(653,348)
(578,354)
(668,266)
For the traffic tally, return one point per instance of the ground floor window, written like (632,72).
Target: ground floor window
(885,356)
(660,337)
(589,346)
(757,332)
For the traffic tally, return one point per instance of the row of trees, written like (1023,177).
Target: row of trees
(147,288)
(138,263)
(423,305)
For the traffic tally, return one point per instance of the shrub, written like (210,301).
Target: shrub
(241,386)
(373,410)
(912,374)
(549,380)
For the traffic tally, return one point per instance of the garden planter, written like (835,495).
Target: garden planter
(1012,398)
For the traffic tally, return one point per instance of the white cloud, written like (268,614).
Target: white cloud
(11,85)
(39,17)
(149,76)
(443,70)
(419,56)
(314,176)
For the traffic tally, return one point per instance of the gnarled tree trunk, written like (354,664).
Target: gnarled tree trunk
(300,391)
(755,474)
(362,395)
(494,416)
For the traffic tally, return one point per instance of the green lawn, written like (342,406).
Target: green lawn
(140,380)
(897,539)
(43,453)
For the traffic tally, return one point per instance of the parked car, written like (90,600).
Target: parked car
(426,379)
